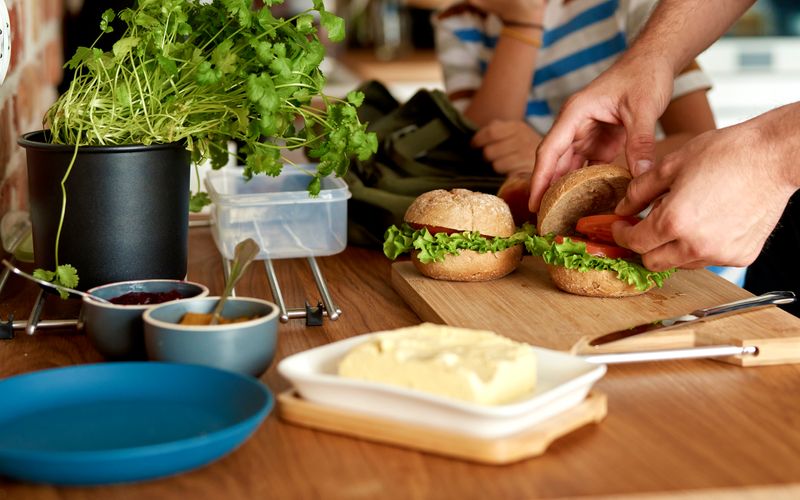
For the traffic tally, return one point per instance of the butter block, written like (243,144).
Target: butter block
(478,366)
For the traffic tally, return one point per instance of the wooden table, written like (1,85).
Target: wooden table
(688,427)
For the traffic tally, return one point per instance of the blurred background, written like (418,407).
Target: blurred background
(754,68)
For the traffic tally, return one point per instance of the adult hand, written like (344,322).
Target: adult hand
(619,109)
(509,145)
(722,194)
(513,10)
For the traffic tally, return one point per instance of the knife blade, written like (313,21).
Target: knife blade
(769,298)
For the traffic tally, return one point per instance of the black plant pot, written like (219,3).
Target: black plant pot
(127,210)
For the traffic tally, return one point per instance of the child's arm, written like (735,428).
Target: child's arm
(685,117)
(505,88)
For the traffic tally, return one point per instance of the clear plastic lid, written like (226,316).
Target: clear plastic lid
(229,186)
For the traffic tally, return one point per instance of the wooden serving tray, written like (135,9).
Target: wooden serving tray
(526,444)
(526,306)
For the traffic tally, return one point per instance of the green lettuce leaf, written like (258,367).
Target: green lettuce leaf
(569,254)
(435,247)
(572,255)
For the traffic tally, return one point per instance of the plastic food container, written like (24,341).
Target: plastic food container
(278,213)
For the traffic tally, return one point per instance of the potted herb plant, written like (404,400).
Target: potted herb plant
(109,179)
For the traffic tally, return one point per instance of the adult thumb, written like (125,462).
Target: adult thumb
(640,147)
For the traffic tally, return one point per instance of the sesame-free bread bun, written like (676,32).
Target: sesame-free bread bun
(465,210)
(462,210)
(591,283)
(586,191)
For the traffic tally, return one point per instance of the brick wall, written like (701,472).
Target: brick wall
(29,89)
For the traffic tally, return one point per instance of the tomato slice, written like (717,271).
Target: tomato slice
(598,227)
(433,229)
(440,229)
(600,249)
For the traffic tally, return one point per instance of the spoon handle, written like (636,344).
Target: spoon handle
(243,255)
(11,267)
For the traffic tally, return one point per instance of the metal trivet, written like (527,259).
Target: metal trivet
(312,314)
(34,321)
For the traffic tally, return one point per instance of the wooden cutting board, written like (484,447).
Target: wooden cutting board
(496,451)
(526,306)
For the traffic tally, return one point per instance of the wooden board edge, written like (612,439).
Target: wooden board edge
(526,444)
(679,338)
(411,296)
(771,352)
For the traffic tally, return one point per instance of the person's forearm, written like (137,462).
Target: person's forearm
(778,131)
(678,30)
(505,88)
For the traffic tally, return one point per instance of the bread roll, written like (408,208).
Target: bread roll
(463,210)
(586,191)
(472,266)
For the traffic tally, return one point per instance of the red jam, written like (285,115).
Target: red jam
(144,298)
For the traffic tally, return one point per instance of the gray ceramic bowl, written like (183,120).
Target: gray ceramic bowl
(117,330)
(247,347)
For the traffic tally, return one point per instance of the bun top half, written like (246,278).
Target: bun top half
(587,191)
(462,210)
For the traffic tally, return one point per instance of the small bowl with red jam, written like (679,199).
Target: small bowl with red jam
(115,328)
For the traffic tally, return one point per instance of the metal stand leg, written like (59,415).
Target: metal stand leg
(276,289)
(312,315)
(36,313)
(4,274)
(322,286)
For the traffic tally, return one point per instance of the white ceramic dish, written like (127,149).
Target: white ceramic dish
(563,382)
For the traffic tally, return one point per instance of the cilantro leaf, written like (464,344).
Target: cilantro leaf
(167,64)
(334,25)
(123,46)
(305,24)
(355,98)
(105,21)
(83,55)
(207,74)
(197,201)
(67,276)
(44,274)
(222,57)
(64,276)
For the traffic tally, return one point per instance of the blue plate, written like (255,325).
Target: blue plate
(120,422)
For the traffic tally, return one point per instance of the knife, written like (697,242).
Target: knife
(769,298)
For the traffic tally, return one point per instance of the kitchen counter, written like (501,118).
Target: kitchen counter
(695,427)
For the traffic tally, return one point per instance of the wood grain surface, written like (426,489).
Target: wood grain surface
(525,305)
(672,427)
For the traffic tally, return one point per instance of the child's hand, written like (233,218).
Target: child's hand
(516,191)
(521,11)
(509,145)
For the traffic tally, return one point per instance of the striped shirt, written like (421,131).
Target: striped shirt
(581,39)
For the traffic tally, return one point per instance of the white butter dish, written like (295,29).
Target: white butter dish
(563,381)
